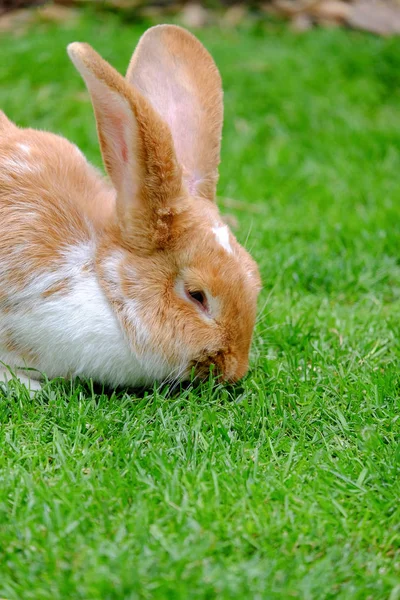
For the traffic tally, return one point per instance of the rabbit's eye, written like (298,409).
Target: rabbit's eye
(199,298)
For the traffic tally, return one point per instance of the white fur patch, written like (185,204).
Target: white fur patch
(221,233)
(25,148)
(131,309)
(142,334)
(77,333)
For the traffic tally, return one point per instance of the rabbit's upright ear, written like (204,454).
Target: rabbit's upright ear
(174,71)
(136,144)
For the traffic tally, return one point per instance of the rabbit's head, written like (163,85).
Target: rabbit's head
(184,290)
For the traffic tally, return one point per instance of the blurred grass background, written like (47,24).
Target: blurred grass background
(288,484)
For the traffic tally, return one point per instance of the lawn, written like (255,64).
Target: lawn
(286,485)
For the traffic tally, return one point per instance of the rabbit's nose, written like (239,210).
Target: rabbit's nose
(227,366)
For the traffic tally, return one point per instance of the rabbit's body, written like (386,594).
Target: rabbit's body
(54,314)
(139,281)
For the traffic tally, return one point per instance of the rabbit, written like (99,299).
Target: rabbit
(135,278)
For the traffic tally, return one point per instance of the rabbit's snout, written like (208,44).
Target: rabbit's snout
(225,365)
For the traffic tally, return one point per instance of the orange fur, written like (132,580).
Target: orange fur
(224,342)
(48,197)
(157,235)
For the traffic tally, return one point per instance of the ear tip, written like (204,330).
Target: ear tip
(77,50)
(166,29)
(167,38)
(73,47)
(74,50)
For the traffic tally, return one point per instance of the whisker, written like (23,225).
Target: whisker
(248,235)
(171,376)
(261,311)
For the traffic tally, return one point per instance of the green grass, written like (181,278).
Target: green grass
(286,485)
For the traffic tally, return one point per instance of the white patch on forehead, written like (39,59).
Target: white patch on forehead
(221,233)
(25,148)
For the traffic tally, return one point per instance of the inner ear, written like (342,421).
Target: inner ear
(116,123)
(177,75)
(119,130)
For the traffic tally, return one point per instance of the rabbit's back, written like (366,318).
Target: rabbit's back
(51,198)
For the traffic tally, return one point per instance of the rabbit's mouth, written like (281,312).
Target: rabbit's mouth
(209,365)
(222,364)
